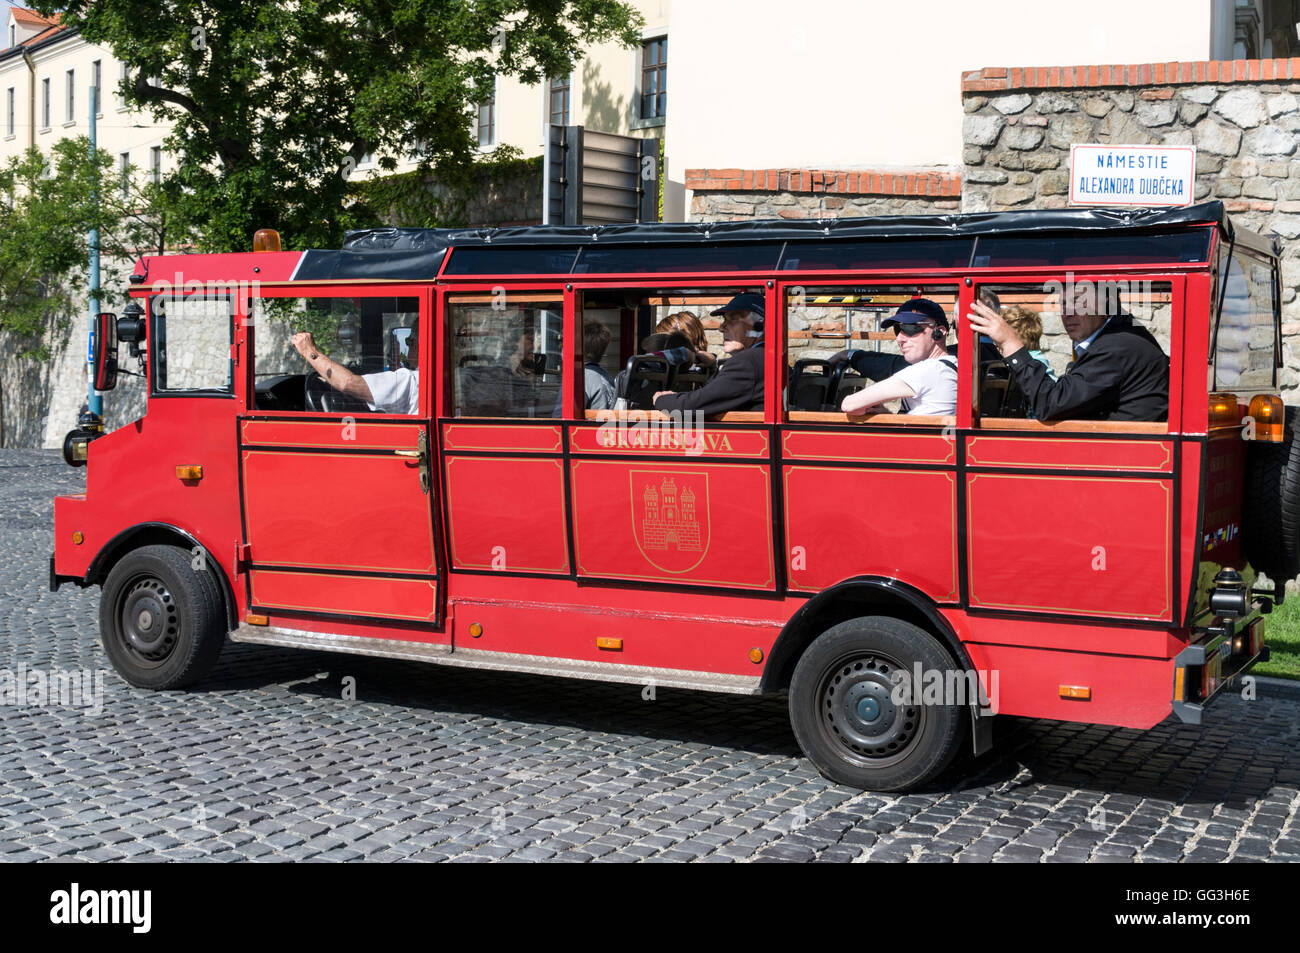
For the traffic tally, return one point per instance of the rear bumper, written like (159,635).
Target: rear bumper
(1215,663)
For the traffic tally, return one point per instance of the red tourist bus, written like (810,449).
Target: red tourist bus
(1096,571)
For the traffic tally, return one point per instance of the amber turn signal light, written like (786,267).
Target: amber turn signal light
(77,538)
(606,642)
(254,619)
(1269,417)
(189,473)
(1223,410)
(475,630)
(756,655)
(1081,692)
(266,239)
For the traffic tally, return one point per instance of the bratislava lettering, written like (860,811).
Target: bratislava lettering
(660,438)
(678,430)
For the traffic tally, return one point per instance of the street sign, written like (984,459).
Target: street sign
(1132,175)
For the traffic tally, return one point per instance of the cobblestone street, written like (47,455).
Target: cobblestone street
(266,760)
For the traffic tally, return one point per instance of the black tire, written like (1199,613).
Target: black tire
(1270,519)
(162,621)
(844,716)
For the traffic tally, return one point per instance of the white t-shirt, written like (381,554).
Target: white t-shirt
(395,392)
(935,382)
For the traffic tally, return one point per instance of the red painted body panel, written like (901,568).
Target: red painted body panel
(506,514)
(296,514)
(699,525)
(843,522)
(131,479)
(1088,546)
(1129,692)
(377,596)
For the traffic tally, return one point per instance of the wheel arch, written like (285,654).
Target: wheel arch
(151,534)
(853,598)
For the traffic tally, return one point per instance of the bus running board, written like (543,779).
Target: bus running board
(444,654)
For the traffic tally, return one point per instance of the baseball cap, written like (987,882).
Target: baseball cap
(743,302)
(916,310)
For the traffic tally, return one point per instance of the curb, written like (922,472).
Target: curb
(1278,687)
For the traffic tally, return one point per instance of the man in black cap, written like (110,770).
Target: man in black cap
(738,385)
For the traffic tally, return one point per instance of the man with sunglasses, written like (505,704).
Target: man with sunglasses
(927,384)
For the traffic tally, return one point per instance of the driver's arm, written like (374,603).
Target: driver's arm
(334,373)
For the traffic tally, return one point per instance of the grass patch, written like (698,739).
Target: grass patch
(1282,633)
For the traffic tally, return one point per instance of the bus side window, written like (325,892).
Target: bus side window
(191,338)
(1051,320)
(506,355)
(370,336)
(836,346)
(660,340)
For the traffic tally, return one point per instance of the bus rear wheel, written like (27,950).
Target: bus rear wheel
(162,618)
(854,718)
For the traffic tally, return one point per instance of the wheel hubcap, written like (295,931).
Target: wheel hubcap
(150,622)
(859,711)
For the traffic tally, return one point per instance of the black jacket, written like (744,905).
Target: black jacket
(738,385)
(1123,375)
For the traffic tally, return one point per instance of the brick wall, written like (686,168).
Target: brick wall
(738,194)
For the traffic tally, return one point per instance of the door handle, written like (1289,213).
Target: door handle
(421,454)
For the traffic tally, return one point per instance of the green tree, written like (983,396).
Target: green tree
(275,104)
(48,204)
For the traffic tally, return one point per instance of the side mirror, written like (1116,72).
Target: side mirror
(105,351)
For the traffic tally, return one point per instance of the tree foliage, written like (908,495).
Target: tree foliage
(274,105)
(48,205)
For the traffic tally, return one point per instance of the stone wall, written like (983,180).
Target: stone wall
(1242,116)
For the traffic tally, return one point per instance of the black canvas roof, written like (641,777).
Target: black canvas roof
(417,253)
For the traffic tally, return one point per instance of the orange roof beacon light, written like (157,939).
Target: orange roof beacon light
(1267,412)
(266,239)
(1223,410)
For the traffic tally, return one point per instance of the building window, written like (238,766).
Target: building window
(72,92)
(155,165)
(487,118)
(13,34)
(124,172)
(560,86)
(9,112)
(45,103)
(96,75)
(654,78)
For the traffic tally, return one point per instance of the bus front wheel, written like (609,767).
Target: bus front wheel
(162,617)
(857,713)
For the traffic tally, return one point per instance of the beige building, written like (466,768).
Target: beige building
(834,85)
(46,75)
